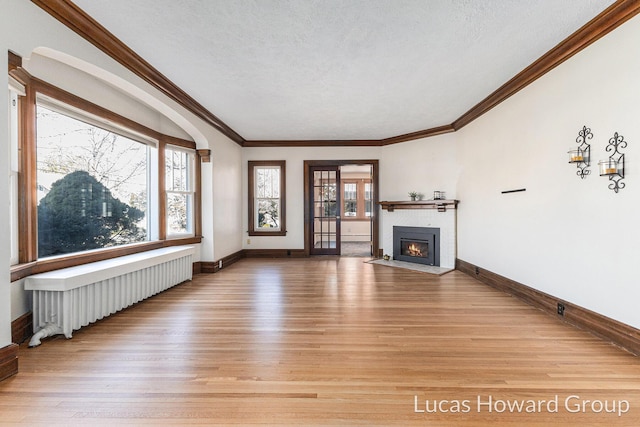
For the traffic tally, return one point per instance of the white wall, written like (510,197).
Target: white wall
(25,28)
(572,238)
(424,165)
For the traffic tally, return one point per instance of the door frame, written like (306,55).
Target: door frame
(375,217)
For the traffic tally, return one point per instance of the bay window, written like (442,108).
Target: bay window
(89,184)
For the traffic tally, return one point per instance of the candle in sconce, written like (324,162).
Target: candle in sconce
(609,171)
(577,158)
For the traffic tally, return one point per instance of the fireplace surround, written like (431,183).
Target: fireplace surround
(417,244)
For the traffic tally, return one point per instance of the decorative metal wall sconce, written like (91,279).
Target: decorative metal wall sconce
(613,167)
(581,156)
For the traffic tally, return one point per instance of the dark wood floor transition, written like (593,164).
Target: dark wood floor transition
(325,341)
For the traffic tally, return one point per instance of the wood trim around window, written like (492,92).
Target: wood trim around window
(27,183)
(162,191)
(252,165)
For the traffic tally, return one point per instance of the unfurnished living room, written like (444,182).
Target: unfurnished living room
(320,212)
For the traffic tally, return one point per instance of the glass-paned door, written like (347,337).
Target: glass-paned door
(325,212)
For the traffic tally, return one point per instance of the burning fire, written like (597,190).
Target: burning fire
(414,250)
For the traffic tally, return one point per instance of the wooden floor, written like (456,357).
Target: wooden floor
(325,341)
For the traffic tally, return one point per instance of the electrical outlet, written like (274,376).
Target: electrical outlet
(248,241)
(220,265)
(561,309)
(477,271)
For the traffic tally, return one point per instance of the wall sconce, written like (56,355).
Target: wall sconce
(613,167)
(581,156)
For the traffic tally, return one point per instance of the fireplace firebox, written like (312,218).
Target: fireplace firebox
(417,244)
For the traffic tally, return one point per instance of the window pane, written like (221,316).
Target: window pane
(268,213)
(350,191)
(368,203)
(350,199)
(179,166)
(177,170)
(267,183)
(179,213)
(92,186)
(350,208)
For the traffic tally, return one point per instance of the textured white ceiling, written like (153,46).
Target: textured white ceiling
(340,69)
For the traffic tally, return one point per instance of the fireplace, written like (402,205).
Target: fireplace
(417,244)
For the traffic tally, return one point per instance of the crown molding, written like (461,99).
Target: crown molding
(351,142)
(80,22)
(426,133)
(313,143)
(610,19)
(77,20)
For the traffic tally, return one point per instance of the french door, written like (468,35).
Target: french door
(325,210)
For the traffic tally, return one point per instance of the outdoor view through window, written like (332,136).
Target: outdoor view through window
(268,197)
(92,186)
(179,166)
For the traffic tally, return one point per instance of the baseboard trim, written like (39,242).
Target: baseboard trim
(604,327)
(209,267)
(8,361)
(22,328)
(274,253)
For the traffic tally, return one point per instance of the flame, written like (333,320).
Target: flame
(414,250)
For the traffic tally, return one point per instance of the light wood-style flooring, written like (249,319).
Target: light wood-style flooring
(325,341)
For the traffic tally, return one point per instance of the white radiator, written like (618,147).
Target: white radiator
(68,299)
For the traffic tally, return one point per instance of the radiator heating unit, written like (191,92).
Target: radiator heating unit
(68,299)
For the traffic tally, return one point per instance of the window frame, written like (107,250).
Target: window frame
(360,199)
(190,191)
(253,166)
(28,262)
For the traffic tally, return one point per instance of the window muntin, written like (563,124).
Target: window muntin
(93,186)
(267,198)
(180,191)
